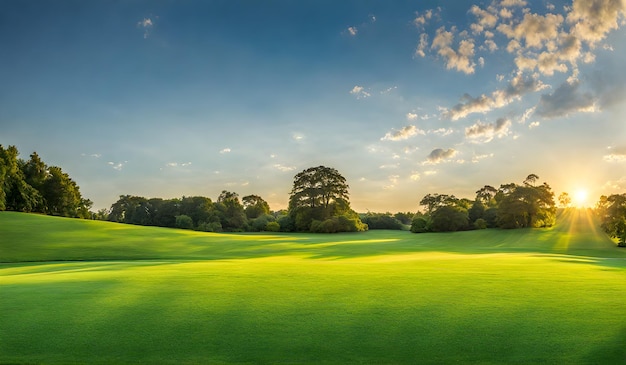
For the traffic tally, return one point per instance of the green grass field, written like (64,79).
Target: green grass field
(75,291)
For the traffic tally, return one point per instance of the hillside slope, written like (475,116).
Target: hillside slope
(29,237)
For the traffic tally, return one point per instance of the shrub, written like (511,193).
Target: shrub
(480,224)
(184,222)
(272,227)
(419,225)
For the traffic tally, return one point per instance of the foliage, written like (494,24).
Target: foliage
(31,186)
(272,227)
(184,222)
(449,219)
(565,200)
(230,211)
(254,206)
(318,200)
(612,212)
(381,221)
(419,225)
(509,206)
(527,206)
(480,224)
(404,217)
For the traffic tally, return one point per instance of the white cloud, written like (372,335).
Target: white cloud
(422,45)
(477,158)
(422,19)
(499,98)
(352,31)
(534,124)
(388,90)
(225,150)
(393,181)
(534,30)
(491,45)
(442,131)
(593,19)
(527,114)
(297,136)
(486,18)
(411,116)
(117,166)
(415,176)
(511,3)
(146,24)
(359,92)
(94,155)
(615,185)
(430,172)
(404,133)
(615,155)
(176,164)
(439,155)
(460,59)
(284,168)
(485,132)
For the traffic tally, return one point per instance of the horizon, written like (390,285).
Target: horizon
(168,100)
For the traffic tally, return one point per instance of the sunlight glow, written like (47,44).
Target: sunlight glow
(580,198)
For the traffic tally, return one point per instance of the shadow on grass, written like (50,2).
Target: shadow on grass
(613,352)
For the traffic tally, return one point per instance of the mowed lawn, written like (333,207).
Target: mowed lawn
(75,291)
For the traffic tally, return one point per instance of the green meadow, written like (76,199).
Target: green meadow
(76,291)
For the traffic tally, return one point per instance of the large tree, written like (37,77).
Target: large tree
(318,187)
(320,194)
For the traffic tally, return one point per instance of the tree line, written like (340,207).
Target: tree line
(33,186)
(318,202)
(509,206)
(227,214)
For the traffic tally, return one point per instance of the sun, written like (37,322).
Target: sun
(580,198)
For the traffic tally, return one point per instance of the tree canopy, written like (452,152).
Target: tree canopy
(319,202)
(612,212)
(32,186)
(509,206)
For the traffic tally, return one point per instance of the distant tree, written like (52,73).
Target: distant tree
(419,224)
(272,227)
(476,211)
(254,206)
(404,217)
(231,211)
(199,208)
(480,224)
(449,218)
(381,221)
(565,200)
(486,194)
(526,206)
(101,214)
(530,180)
(184,222)
(435,201)
(612,212)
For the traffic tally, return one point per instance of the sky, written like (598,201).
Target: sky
(404,98)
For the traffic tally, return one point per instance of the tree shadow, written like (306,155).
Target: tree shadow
(612,352)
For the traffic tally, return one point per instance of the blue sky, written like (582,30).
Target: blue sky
(167,98)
